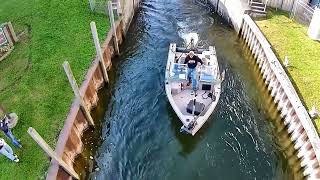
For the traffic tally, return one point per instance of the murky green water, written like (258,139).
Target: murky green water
(140,135)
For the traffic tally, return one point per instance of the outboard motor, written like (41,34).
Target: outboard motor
(191,125)
(191,40)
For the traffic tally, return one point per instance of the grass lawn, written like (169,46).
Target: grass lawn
(32,80)
(289,38)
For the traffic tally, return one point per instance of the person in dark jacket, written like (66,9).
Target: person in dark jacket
(192,61)
(4,127)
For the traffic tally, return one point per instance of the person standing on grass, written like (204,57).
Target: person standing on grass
(6,150)
(4,127)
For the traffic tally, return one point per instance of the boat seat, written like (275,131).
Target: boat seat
(197,108)
(190,107)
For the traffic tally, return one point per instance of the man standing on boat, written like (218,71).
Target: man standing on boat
(192,61)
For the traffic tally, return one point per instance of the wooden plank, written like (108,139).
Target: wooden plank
(13,33)
(6,54)
(76,92)
(46,148)
(113,27)
(98,50)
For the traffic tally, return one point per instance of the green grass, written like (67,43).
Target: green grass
(289,38)
(32,80)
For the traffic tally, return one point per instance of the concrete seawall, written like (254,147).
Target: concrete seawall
(295,117)
(231,10)
(69,143)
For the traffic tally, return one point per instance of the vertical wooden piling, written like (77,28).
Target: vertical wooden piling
(98,50)
(119,9)
(52,154)
(113,27)
(76,92)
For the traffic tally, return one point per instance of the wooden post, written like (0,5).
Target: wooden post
(46,148)
(119,10)
(113,26)
(13,33)
(133,3)
(217,6)
(294,9)
(98,50)
(76,92)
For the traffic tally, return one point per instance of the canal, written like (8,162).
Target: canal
(140,138)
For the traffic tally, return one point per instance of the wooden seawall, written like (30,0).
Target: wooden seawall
(69,143)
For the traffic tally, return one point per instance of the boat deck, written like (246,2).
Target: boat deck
(182,99)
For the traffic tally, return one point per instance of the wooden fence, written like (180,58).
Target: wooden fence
(302,12)
(7,39)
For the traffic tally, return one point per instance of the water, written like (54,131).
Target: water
(140,135)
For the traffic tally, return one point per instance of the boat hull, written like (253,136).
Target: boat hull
(180,96)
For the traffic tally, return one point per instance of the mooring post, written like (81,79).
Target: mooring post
(135,4)
(98,50)
(113,26)
(76,92)
(217,6)
(46,148)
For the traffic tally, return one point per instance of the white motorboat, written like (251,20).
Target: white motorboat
(193,109)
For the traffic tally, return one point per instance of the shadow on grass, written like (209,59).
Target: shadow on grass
(15,66)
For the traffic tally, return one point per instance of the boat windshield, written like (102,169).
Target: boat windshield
(208,74)
(180,72)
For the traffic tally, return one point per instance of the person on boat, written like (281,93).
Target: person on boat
(192,61)
(4,127)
